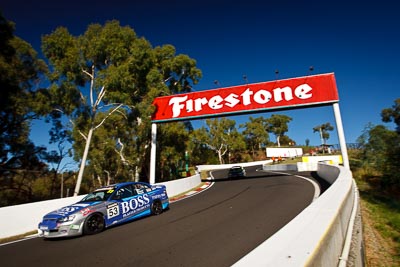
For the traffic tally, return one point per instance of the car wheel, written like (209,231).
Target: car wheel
(156,208)
(93,224)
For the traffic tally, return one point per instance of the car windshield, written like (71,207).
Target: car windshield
(99,195)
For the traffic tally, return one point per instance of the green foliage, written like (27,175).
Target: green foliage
(380,152)
(278,125)
(375,165)
(385,211)
(199,153)
(286,141)
(123,74)
(20,71)
(172,145)
(255,134)
(392,114)
(220,136)
(102,84)
(323,131)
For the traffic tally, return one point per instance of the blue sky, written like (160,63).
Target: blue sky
(357,40)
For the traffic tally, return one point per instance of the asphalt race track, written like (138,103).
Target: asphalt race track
(214,228)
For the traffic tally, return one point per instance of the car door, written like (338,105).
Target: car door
(115,210)
(127,203)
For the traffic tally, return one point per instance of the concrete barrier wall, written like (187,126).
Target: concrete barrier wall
(227,166)
(177,187)
(307,166)
(317,235)
(280,167)
(332,159)
(332,173)
(20,219)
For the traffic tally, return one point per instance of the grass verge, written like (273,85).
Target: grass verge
(381,222)
(17,237)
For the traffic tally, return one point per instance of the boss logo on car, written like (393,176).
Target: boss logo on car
(135,203)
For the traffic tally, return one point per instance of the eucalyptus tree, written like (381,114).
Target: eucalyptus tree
(323,131)
(20,73)
(391,169)
(172,143)
(278,125)
(286,141)
(380,152)
(112,152)
(55,157)
(220,136)
(307,142)
(255,133)
(392,114)
(109,70)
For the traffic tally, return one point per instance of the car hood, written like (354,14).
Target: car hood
(69,210)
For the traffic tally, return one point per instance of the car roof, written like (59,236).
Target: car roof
(123,184)
(117,185)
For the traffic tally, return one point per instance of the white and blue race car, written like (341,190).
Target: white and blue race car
(106,206)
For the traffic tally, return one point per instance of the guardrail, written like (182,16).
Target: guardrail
(320,235)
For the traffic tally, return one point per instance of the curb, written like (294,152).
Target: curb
(193,192)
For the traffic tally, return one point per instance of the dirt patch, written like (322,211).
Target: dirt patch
(379,251)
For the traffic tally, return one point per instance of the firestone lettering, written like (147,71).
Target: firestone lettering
(303,91)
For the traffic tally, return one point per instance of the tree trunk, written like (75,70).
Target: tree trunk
(83,163)
(220,157)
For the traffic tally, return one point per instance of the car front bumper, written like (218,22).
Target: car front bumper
(60,230)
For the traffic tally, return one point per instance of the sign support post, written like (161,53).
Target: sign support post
(153,153)
(340,131)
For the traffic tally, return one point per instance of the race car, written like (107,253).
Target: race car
(106,206)
(236,171)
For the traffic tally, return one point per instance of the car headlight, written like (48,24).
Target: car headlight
(66,219)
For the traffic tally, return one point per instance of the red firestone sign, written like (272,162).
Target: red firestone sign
(249,98)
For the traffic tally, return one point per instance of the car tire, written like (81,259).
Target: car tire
(93,224)
(156,208)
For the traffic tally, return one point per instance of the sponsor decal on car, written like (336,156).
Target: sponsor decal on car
(74,227)
(135,204)
(65,211)
(86,211)
(112,210)
(158,196)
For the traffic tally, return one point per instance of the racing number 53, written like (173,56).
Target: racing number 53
(112,210)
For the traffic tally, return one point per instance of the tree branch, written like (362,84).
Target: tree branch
(87,73)
(101,95)
(120,152)
(108,115)
(72,122)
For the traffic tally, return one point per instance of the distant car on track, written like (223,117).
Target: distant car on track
(236,171)
(106,206)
